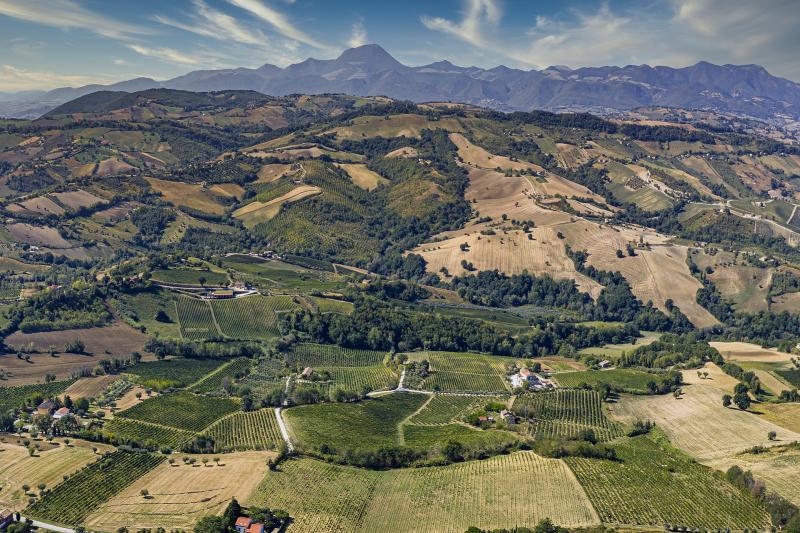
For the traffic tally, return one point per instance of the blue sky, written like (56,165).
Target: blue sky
(54,43)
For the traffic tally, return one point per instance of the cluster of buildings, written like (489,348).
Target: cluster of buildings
(527,379)
(244,524)
(48,407)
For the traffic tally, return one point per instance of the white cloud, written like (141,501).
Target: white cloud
(66,14)
(171,55)
(120,61)
(471,28)
(278,21)
(358,35)
(218,25)
(18,79)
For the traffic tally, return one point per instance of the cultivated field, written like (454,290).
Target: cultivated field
(257,212)
(626,379)
(786,415)
(251,317)
(14,397)
(445,409)
(654,485)
(145,433)
(181,410)
(698,424)
(89,387)
(18,468)
(745,351)
(180,494)
(746,286)
(464,372)
(37,235)
(362,176)
(779,468)
(488,494)
(191,195)
(564,413)
(176,372)
(254,430)
(77,199)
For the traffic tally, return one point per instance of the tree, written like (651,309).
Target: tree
(145,493)
(772,435)
(453,451)
(76,345)
(161,316)
(742,401)
(211,524)
(726,400)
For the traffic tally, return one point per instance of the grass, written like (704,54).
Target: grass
(142,308)
(181,410)
(427,437)
(73,500)
(653,484)
(213,382)
(251,317)
(188,276)
(792,376)
(353,426)
(507,491)
(615,351)
(634,381)
(279,275)
(179,372)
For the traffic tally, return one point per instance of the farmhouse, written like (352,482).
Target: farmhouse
(245,524)
(61,413)
(45,408)
(6,517)
(307,372)
(221,294)
(604,364)
(508,416)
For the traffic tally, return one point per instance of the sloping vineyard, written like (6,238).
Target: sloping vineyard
(252,317)
(181,410)
(256,430)
(564,413)
(197,322)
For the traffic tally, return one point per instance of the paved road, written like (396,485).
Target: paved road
(51,527)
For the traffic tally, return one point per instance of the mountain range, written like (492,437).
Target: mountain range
(370,71)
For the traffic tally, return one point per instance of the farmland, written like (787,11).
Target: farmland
(181,411)
(351,369)
(459,372)
(14,397)
(654,485)
(564,413)
(634,381)
(196,319)
(214,382)
(745,351)
(178,372)
(325,497)
(73,500)
(254,430)
(144,433)
(251,317)
(180,493)
(779,468)
(19,468)
(444,409)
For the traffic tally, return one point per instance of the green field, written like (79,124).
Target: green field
(251,317)
(181,410)
(327,305)
(564,413)
(179,372)
(792,376)
(188,276)
(350,369)
(634,381)
(654,484)
(254,430)
(444,409)
(141,308)
(213,382)
(613,352)
(144,433)
(464,372)
(516,490)
(280,275)
(428,437)
(76,498)
(353,426)
(15,397)
(196,319)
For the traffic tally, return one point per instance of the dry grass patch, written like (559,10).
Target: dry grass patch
(779,468)
(406,151)
(786,302)
(37,235)
(41,205)
(191,195)
(89,387)
(77,199)
(180,494)
(746,286)
(745,351)
(401,125)
(698,424)
(273,172)
(255,213)
(230,190)
(362,176)
(18,468)
(786,415)
(113,166)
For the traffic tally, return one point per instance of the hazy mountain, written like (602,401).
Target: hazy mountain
(370,70)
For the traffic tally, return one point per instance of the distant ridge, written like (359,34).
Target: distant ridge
(370,71)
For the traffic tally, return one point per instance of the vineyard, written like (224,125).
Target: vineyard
(255,430)
(14,397)
(326,305)
(145,433)
(351,369)
(634,381)
(265,378)
(430,437)
(363,425)
(196,320)
(487,494)
(465,372)
(73,500)
(181,410)
(177,372)
(214,381)
(251,317)
(325,355)
(654,485)
(564,413)
(444,409)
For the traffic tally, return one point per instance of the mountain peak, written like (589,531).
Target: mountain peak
(371,55)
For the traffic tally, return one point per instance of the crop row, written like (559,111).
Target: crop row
(326,355)
(443,409)
(144,433)
(14,397)
(563,413)
(195,318)
(252,317)
(255,430)
(231,371)
(181,410)
(79,495)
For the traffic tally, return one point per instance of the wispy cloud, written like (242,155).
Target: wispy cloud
(17,79)
(358,35)
(471,28)
(66,14)
(171,55)
(279,21)
(209,22)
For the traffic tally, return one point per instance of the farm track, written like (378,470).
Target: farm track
(282,426)
(401,434)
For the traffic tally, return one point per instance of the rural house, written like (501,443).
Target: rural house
(242,524)
(508,416)
(45,408)
(61,413)
(307,372)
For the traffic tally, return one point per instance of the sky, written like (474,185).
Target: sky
(55,43)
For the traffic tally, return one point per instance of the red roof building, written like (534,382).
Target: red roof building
(243,524)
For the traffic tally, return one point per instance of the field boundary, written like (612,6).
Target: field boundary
(401,433)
